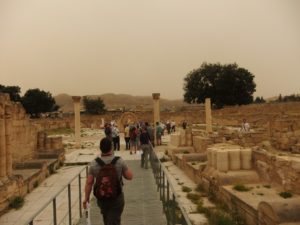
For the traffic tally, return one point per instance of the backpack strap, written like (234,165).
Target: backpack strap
(115,159)
(100,161)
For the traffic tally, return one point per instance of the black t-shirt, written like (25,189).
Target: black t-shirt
(144,138)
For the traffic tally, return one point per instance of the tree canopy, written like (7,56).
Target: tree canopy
(36,101)
(224,84)
(288,98)
(94,106)
(13,91)
(259,100)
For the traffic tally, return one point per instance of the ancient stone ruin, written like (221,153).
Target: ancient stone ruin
(27,154)
(248,172)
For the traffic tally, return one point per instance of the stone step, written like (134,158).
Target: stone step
(49,154)
(35,164)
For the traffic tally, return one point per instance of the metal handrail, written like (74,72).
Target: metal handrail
(163,182)
(53,200)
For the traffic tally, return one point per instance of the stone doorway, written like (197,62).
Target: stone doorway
(126,118)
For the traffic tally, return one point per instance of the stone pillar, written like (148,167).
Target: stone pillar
(102,123)
(208,117)
(156,112)
(8,138)
(2,142)
(76,101)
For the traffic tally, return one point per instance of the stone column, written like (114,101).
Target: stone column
(156,112)
(8,138)
(208,118)
(2,142)
(76,101)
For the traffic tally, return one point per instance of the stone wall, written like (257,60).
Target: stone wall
(282,171)
(26,158)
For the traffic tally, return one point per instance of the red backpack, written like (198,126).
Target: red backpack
(108,185)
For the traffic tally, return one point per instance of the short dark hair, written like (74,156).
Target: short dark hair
(105,145)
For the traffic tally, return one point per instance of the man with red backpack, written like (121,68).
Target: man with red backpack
(106,173)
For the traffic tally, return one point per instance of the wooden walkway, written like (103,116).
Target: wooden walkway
(142,204)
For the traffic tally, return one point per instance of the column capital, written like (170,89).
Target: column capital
(155,96)
(76,98)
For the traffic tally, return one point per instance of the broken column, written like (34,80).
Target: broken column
(76,100)
(156,112)
(208,118)
(41,140)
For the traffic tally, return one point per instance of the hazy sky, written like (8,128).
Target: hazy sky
(139,47)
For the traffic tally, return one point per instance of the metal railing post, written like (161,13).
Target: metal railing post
(54,212)
(69,204)
(160,181)
(173,210)
(168,202)
(80,198)
(164,196)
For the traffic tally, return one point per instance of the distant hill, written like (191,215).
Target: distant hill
(118,101)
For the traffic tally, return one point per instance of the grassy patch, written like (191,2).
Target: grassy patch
(186,189)
(193,197)
(200,188)
(218,217)
(16,202)
(286,194)
(241,188)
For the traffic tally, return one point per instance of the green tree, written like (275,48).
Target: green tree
(225,84)
(94,106)
(259,100)
(13,91)
(36,101)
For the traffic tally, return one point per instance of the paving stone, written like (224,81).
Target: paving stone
(142,204)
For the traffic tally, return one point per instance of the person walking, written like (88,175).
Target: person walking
(159,133)
(150,132)
(108,131)
(127,137)
(111,208)
(133,139)
(145,146)
(116,137)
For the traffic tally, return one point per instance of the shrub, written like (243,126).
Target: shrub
(16,202)
(186,189)
(193,197)
(241,188)
(200,188)
(267,186)
(202,209)
(286,194)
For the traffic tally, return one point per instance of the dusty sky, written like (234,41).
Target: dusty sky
(139,47)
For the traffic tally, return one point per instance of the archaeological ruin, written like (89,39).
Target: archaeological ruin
(248,173)
(27,154)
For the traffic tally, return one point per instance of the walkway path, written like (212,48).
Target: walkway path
(142,204)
